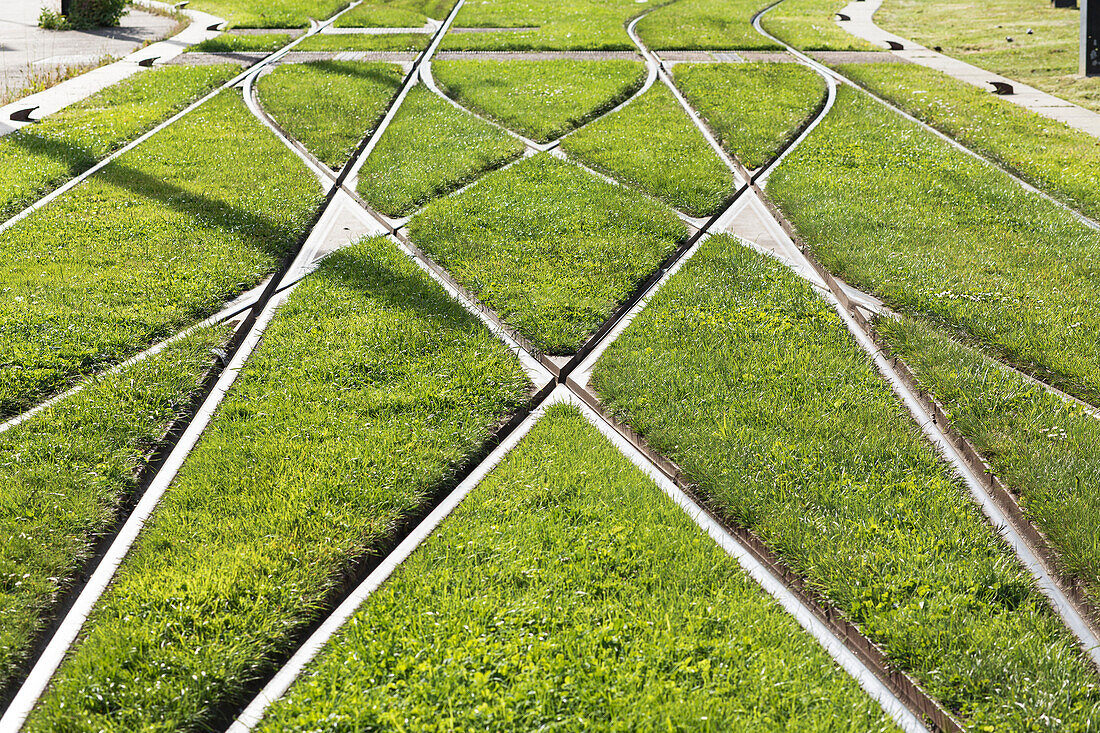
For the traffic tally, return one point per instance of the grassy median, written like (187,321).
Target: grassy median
(66,472)
(568,593)
(428,150)
(159,239)
(545,25)
(330,106)
(539,99)
(744,376)
(242,43)
(269,13)
(397,42)
(893,209)
(652,144)
(702,25)
(810,25)
(41,157)
(1045,449)
(549,247)
(370,388)
(394,13)
(753,109)
(1052,156)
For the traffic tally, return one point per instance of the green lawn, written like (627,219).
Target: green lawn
(394,13)
(976,32)
(269,13)
(330,106)
(652,144)
(894,210)
(810,25)
(1052,156)
(41,157)
(753,109)
(703,24)
(539,99)
(428,150)
(365,42)
(1043,448)
(557,25)
(741,374)
(568,593)
(229,43)
(159,239)
(66,471)
(369,389)
(549,247)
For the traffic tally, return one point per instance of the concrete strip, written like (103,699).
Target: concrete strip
(862,25)
(81,87)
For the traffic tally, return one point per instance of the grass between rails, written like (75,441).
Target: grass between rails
(549,247)
(370,388)
(365,42)
(159,239)
(67,470)
(566,592)
(809,25)
(540,99)
(1052,156)
(394,13)
(747,379)
(977,32)
(330,105)
(894,210)
(228,43)
(652,144)
(1043,448)
(269,13)
(703,24)
(753,109)
(41,157)
(556,25)
(428,150)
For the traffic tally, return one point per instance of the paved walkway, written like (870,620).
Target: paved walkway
(862,24)
(18,28)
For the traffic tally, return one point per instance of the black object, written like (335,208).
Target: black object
(66,6)
(23,115)
(148,62)
(895,46)
(1000,87)
(1064,3)
(1090,38)
(213,26)
(842,16)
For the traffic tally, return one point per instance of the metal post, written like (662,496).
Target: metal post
(65,7)
(1090,37)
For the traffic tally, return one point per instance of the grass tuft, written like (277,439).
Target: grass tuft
(397,42)
(542,100)
(230,43)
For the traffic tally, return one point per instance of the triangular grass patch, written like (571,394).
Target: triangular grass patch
(429,149)
(540,99)
(567,592)
(753,109)
(652,144)
(330,105)
(551,248)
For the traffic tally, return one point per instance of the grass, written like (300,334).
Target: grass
(540,99)
(976,31)
(703,25)
(744,376)
(269,13)
(1043,448)
(370,387)
(652,144)
(365,42)
(752,108)
(160,238)
(894,210)
(556,25)
(566,592)
(428,150)
(67,470)
(38,158)
(230,43)
(330,106)
(810,25)
(549,247)
(1052,156)
(394,13)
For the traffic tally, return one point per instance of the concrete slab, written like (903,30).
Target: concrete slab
(862,25)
